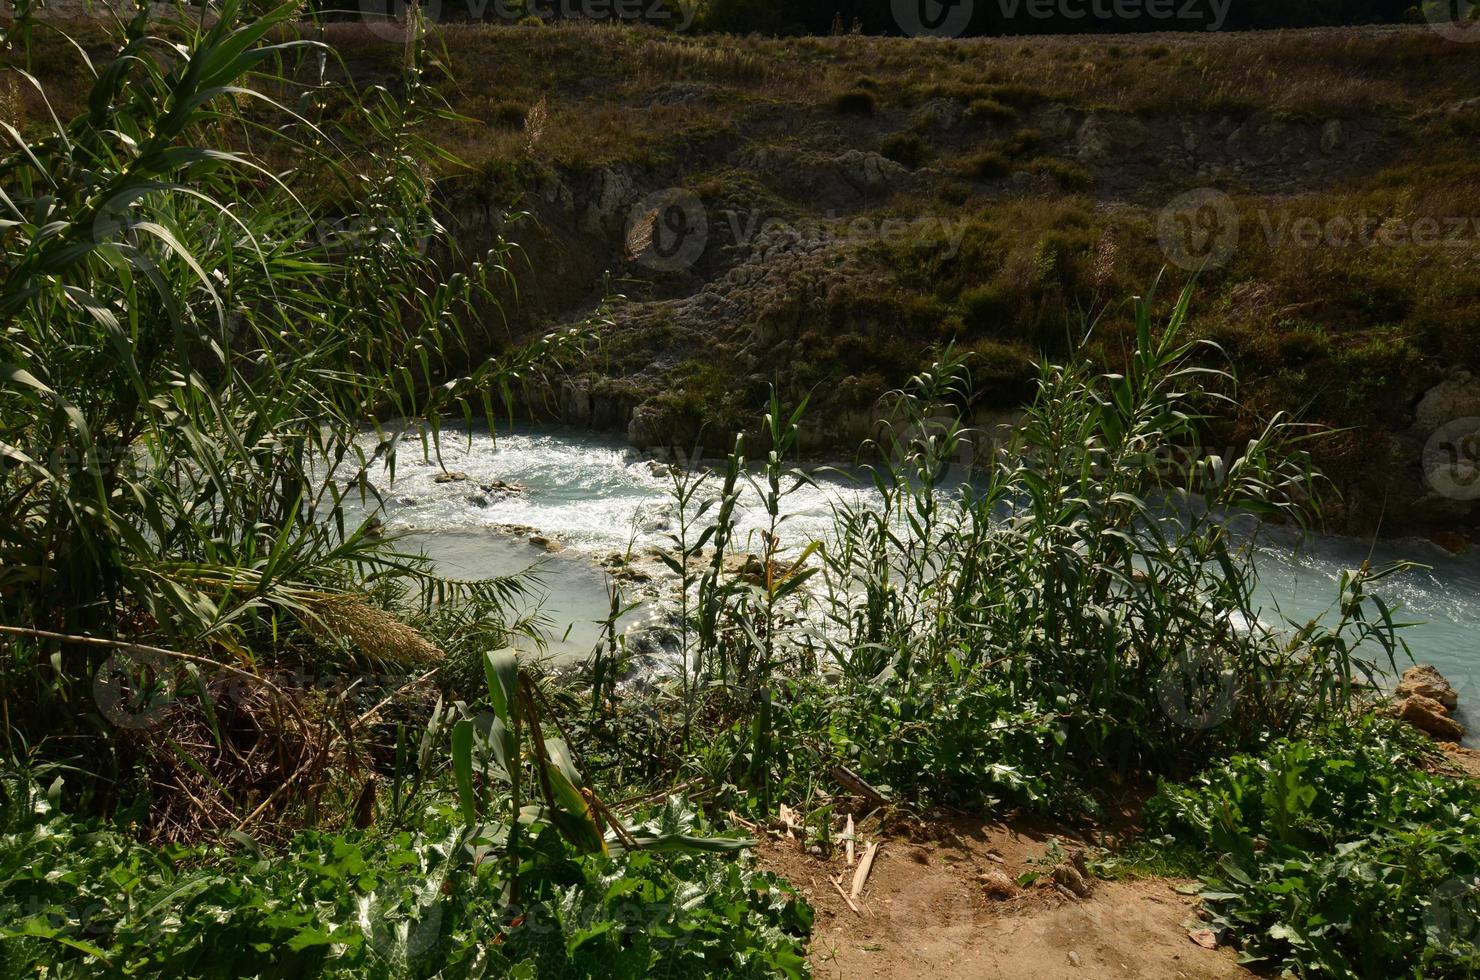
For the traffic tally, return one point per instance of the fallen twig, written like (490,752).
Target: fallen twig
(860,877)
(838,884)
(851,781)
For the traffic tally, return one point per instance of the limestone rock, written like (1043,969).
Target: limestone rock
(642,427)
(1425,681)
(868,172)
(1428,715)
(1454,398)
(997,885)
(938,114)
(1332,138)
(1106,135)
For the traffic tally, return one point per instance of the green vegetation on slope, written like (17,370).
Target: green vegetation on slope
(217,283)
(1338,855)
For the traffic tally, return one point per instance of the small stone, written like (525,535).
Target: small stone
(1205,938)
(1332,138)
(1071,878)
(997,885)
(454,477)
(1075,960)
(1428,715)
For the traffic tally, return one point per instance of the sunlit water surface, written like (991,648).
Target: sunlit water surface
(594,495)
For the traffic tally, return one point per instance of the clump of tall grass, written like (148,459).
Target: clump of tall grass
(1074,594)
(209,291)
(1089,564)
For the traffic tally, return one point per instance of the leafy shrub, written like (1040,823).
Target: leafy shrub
(1069,176)
(854,102)
(906,148)
(84,898)
(1338,855)
(950,737)
(990,110)
(1022,142)
(508,115)
(985,165)
(991,307)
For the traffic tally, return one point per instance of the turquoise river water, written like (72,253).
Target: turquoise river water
(593,495)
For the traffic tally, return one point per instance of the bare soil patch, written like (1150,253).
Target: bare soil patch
(926,911)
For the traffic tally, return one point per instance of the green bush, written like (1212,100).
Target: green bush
(985,165)
(1069,176)
(1338,856)
(990,110)
(83,900)
(950,737)
(508,115)
(906,148)
(855,102)
(991,308)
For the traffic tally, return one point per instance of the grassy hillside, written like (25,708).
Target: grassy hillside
(865,200)
(1025,180)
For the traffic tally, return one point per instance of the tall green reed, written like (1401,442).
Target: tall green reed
(213,284)
(1087,563)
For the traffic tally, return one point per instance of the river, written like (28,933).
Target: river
(592,495)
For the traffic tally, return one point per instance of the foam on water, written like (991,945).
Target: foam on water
(588,491)
(595,494)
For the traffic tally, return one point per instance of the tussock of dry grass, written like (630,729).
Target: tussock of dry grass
(376,633)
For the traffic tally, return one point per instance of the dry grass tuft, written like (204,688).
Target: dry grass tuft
(377,634)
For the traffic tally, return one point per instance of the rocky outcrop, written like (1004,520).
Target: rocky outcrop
(1426,681)
(1332,136)
(1456,397)
(1106,135)
(1429,716)
(1424,699)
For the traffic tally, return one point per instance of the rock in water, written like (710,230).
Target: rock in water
(1451,541)
(1424,680)
(1430,716)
